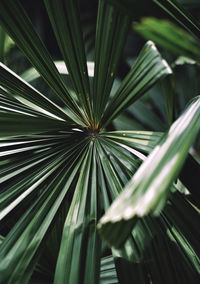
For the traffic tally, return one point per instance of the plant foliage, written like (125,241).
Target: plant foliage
(61,167)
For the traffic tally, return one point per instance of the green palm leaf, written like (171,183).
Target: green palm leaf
(2,43)
(169,36)
(108,272)
(146,71)
(79,257)
(144,141)
(67,28)
(32,74)
(177,11)
(112,28)
(10,104)
(60,169)
(12,15)
(22,175)
(149,188)
(30,230)
(19,124)
(18,87)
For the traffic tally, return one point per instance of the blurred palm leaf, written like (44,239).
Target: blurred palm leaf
(5,44)
(169,36)
(180,14)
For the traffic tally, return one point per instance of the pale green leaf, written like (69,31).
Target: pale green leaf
(149,188)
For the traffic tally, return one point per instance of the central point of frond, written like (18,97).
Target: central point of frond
(92,132)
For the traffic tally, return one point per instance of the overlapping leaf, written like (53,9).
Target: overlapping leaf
(149,188)
(32,74)
(144,141)
(128,258)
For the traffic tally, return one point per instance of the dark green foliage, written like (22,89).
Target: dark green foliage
(68,181)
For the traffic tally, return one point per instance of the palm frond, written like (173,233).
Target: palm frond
(147,70)
(149,188)
(112,28)
(20,88)
(169,36)
(62,167)
(67,28)
(177,11)
(12,14)
(108,272)
(29,232)
(2,43)
(79,256)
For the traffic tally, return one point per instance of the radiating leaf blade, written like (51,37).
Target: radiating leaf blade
(111,33)
(65,21)
(15,124)
(14,19)
(144,141)
(10,104)
(79,255)
(30,231)
(26,163)
(18,87)
(147,70)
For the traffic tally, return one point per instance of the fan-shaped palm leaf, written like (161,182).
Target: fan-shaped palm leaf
(60,170)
